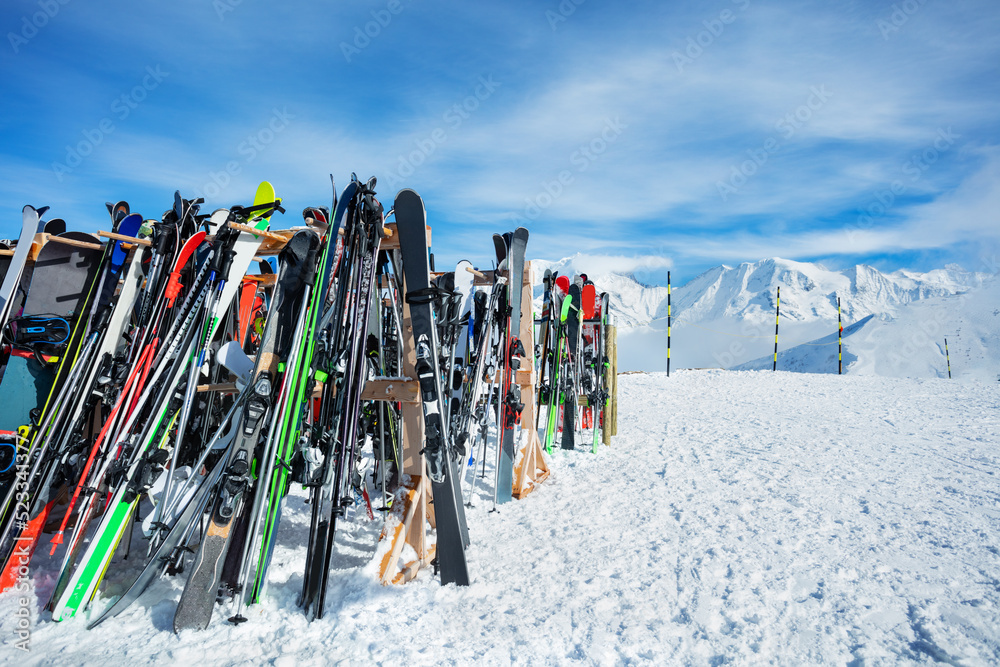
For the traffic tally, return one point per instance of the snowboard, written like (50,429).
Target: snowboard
(60,283)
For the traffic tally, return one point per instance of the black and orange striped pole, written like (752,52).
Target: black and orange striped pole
(840,341)
(777,312)
(668,324)
(947,358)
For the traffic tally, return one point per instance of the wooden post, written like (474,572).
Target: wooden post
(411,508)
(406,525)
(530,469)
(412,415)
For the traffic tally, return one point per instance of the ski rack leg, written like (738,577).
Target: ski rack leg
(530,468)
(412,508)
(611,409)
(406,525)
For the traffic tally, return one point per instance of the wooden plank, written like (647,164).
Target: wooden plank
(75,243)
(487,278)
(226,387)
(524,377)
(264,279)
(128,239)
(412,569)
(262,233)
(391,242)
(274,240)
(396,390)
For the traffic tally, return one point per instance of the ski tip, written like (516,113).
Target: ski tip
(407,193)
(265,193)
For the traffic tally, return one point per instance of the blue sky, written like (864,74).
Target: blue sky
(664,134)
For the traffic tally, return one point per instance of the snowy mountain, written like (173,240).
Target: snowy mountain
(910,343)
(808,291)
(632,303)
(724,317)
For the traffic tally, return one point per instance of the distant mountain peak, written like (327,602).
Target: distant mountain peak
(809,291)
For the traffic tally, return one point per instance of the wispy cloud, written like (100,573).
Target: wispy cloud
(803,112)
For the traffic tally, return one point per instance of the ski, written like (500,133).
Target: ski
(411,221)
(514,352)
(12,277)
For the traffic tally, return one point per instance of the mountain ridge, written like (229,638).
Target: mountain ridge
(747,291)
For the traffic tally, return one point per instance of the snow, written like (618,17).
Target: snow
(739,517)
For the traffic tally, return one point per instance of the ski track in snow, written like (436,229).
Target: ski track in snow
(739,518)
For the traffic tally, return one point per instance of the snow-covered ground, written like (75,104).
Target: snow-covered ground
(739,517)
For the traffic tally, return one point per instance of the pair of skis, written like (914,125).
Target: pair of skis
(340,364)
(510,256)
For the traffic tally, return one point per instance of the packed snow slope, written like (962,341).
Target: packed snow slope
(739,518)
(725,316)
(911,342)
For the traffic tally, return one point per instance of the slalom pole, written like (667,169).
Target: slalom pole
(840,341)
(947,358)
(668,324)
(777,312)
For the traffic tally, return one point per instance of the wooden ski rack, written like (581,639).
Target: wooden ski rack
(412,507)
(530,468)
